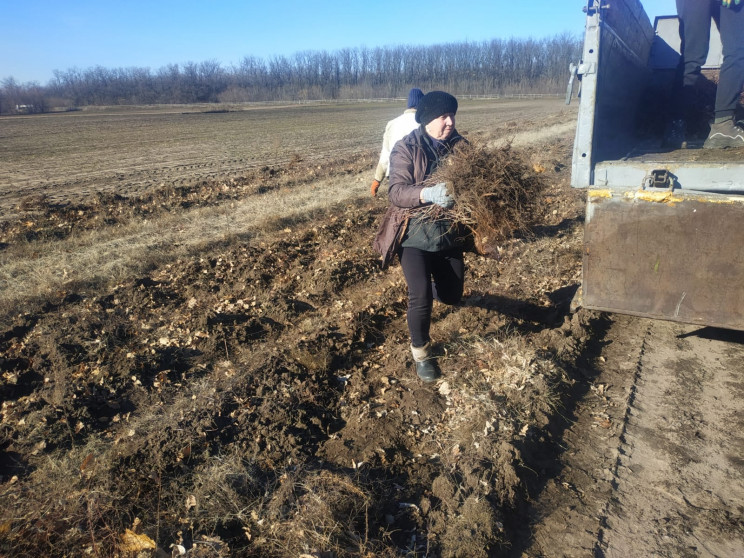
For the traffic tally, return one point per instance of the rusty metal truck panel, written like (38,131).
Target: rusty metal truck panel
(675,256)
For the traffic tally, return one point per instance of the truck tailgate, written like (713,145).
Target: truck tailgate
(669,254)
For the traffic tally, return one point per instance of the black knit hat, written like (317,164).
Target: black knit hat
(414,96)
(433,105)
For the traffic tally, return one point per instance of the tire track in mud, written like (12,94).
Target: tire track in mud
(632,390)
(652,465)
(680,481)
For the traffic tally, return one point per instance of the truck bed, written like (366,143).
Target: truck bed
(693,169)
(663,227)
(694,153)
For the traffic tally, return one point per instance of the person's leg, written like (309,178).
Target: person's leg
(724,132)
(416,266)
(417,271)
(448,273)
(732,70)
(694,33)
(695,16)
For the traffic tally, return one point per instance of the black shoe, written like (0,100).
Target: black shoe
(724,134)
(427,370)
(675,135)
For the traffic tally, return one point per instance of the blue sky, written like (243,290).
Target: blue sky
(40,36)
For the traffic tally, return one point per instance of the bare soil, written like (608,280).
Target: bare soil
(252,395)
(652,463)
(71,157)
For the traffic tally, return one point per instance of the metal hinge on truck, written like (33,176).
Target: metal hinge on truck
(658,179)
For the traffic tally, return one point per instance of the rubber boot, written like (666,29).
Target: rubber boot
(426,365)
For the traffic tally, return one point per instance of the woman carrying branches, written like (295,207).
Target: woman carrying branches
(416,226)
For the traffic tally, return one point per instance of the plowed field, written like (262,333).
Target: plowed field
(201,356)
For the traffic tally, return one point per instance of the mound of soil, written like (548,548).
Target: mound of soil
(257,399)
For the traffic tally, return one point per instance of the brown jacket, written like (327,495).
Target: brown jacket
(411,163)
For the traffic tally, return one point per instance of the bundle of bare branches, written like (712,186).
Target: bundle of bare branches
(497,192)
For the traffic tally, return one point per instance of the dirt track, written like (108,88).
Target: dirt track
(653,462)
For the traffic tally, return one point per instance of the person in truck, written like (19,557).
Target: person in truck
(695,17)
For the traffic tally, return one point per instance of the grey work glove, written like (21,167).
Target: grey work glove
(437,194)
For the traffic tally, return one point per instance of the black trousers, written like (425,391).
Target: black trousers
(695,32)
(429,276)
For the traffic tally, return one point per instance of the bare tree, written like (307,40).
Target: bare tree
(490,67)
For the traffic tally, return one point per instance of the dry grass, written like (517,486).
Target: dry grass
(510,364)
(490,392)
(104,256)
(318,512)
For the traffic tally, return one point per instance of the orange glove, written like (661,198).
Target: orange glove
(373,189)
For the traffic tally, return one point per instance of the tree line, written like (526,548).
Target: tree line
(495,67)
